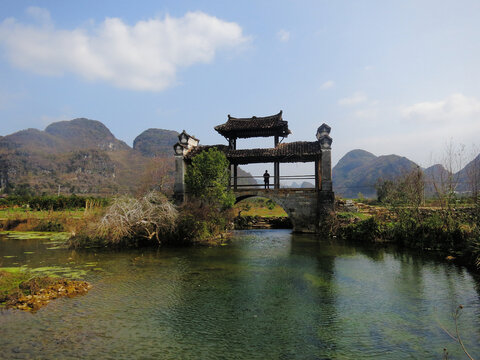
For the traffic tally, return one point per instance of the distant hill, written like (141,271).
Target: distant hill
(86,134)
(246,177)
(349,162)
(469,177)
(78,156)
(33,139)
(304,184)
(156,142)
(82,156)
(434,174)
(358,172)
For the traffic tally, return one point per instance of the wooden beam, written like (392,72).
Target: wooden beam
(235,177)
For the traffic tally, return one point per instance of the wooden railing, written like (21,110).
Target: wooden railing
(261,184)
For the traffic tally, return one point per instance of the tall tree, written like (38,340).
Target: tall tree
(207,178)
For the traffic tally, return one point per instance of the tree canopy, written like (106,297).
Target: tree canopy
(207,178)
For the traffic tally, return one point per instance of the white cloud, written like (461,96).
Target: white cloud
(283,35)
(327,85)
(145,56)
(355,99)
(418,131)
(456,107)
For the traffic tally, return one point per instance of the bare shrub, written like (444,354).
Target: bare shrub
(158,176)
(147,218)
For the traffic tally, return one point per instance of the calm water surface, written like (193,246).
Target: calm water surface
(267,295)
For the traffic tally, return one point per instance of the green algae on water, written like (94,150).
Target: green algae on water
(316,281)
(18,269)
(59,271)
(29,235)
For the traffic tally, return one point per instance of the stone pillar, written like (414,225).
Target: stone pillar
(325,174)
(326,170)
(276,168)
(186,142)
(179,185)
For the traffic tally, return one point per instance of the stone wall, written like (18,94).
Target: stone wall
(306,208)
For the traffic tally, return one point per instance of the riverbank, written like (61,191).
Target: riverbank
(451,234)
(66,220)
(243,222)
(454,235)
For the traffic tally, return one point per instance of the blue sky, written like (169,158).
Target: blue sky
(388,76)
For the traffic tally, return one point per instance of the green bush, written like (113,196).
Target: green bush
(270,204)
(49,225)
(200,224)
(367,231)
(207,179)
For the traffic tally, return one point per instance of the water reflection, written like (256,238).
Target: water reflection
(268,295)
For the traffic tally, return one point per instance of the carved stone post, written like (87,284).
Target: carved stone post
(326,164)
(185,143)
(325,171)
(179,185)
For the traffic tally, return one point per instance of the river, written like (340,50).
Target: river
(268,294)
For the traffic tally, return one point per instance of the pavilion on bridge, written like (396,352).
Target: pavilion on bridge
(274,126)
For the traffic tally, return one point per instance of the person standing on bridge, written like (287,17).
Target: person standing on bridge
(266,179)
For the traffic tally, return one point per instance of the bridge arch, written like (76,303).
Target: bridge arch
(271,195)
(303,206)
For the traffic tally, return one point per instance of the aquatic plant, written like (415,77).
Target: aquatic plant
(456,335)
(21,290)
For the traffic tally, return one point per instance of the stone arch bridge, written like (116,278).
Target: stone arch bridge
(307,208)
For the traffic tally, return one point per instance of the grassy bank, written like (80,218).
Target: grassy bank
(261,207)
(68,220)
(128,222)
(453,235)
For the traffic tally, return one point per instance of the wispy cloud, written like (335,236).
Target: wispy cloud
(456,108)
(355,99)
(327,85)
(420,129)
(283,35)
(145,56)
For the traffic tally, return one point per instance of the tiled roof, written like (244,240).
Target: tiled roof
(299,151)
(254,127)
